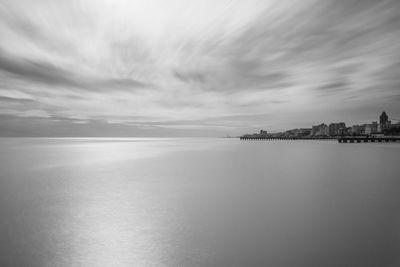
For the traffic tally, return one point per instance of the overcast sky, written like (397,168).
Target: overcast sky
(204,67)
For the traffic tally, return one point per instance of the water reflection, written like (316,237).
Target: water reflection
(198,202)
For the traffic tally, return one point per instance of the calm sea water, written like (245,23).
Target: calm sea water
(198,202)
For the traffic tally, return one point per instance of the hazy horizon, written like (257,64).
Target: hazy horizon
(198,68)
(104,130)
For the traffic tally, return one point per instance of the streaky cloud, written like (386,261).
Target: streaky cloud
(203,63)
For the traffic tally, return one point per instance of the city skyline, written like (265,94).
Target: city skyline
(204,68)
(382,119)
(382,127)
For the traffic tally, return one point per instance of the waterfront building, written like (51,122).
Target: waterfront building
(324,129)
(368,129)
(374,127)
(314,130)
(383,119)
(355,129)
(291,133)
(391,129)
(332,129)
(337,128)
(371,128)
(362,129)
(304,131)
(320,130)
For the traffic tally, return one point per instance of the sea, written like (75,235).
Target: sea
(198,202)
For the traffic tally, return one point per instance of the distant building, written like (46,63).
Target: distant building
(374,127)
(355,130)
(383,119)
(371,128)
(362,129)
(391,129)
(368,129)
(304,131)
(320,130)
(314,130)
(343,131)
(263,133)
(332,129)
(337,128)
(324,129)
(290,133)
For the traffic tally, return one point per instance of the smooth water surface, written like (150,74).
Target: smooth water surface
(198,202)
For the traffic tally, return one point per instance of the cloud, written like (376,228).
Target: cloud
(48,74)
(201,64)
(36,71)
(29,113)
(14,94)
(189,77)
(334,86)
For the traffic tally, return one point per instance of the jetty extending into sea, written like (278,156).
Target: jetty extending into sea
(252,137)
(340,139)
(367,139)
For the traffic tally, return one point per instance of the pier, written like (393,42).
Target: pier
(367,139)
(284,138)
(341,139)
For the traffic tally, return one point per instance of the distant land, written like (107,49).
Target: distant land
(385,127)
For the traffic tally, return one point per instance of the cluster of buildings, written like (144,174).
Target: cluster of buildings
(384,127)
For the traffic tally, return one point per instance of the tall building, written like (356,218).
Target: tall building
(368,129)
(355,130)
(362,129)
(324,129)
(320,130)
(337,128)
(314,130)
(371,128)
(374,127)
(383,119)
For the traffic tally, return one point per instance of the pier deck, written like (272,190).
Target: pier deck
(364,139)
(285,138)
(341,139)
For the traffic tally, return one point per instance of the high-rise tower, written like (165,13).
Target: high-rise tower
(383,119)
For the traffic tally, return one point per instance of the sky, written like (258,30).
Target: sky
(195,68)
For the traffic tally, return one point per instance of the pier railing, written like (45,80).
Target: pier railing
(340,139)
(367,139)
(285,138)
